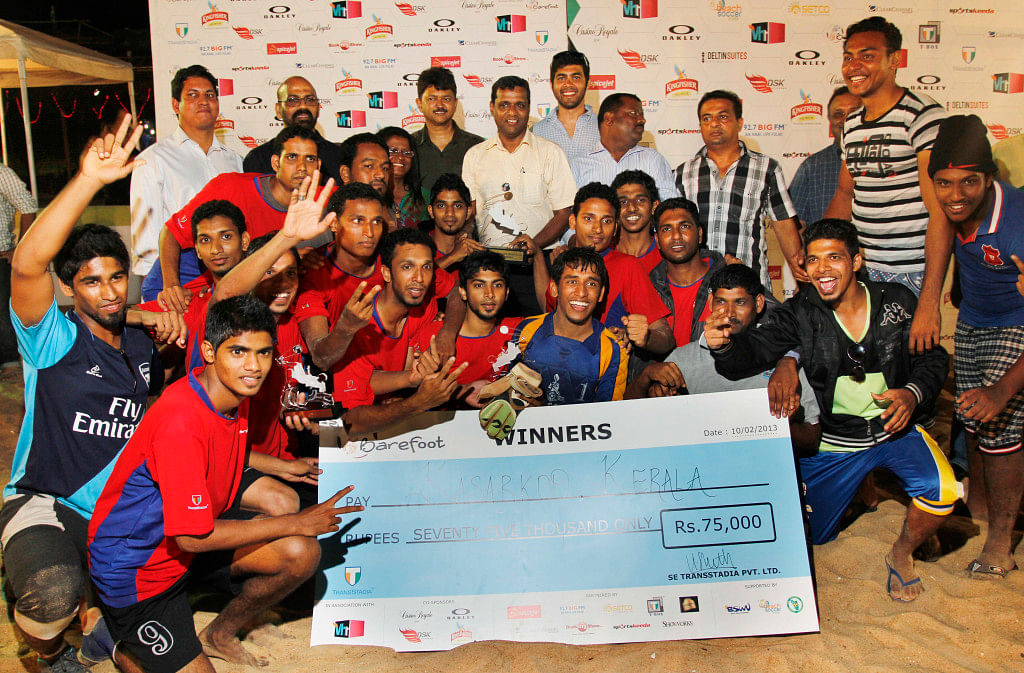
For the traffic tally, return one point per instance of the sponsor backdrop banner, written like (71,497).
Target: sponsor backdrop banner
(363,57)
(782,59)
(605,527)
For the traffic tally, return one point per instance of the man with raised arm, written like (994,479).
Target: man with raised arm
(87,377)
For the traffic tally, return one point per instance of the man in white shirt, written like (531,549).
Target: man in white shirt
(521,176)
(176,168)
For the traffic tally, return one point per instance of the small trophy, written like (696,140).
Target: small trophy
(506,222)
(305,394)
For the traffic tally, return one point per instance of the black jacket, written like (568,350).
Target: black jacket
(659,278)
(806,324)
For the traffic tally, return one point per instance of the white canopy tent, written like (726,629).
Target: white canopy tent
(30,58)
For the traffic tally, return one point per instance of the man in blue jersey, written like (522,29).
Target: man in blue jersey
(577,358)
(87,376)
(989,345)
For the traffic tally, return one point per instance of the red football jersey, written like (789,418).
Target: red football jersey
(482,353)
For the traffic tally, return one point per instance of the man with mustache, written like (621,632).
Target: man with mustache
(621,122)
(572,125)
(441,145)
(297,105)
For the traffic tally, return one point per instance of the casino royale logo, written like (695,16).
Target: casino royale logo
(594,31)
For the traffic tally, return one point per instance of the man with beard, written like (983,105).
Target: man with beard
(263,198)
(577,358)
(375,363)
(621,122)
(638,199)
(681,278)
(484,335)
(297,105)
(854,342)
(989,354)
(440,144)
(450,208)
(572,125)
(87,377)
(737,293)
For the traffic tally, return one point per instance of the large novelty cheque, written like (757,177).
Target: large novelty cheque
(658,519)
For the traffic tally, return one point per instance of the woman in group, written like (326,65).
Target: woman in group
(407,199)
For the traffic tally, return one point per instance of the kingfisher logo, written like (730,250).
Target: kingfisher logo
(737,609)
(347,9)
(1008,82)
(382,100)
(762,84)
(601,83)
(767,32)
(637,60)
(806,111)
(351,119)
(415,118)
(639,9)
(349,628)
(215,18)
(348,84)
(682,86)
(379,30)
(511,23)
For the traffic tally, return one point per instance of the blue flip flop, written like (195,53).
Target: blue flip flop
(903,585)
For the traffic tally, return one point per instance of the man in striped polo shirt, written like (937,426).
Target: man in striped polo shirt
(884,186)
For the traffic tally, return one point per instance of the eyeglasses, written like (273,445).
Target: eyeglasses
(295,101)
(395,152)
(856,352)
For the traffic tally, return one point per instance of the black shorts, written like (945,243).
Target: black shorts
(158,631)
(44,555)
(212,569)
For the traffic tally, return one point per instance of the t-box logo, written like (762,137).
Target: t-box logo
(511,23)
(768,32)
(639,9)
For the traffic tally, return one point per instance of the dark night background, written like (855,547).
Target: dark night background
(120,30)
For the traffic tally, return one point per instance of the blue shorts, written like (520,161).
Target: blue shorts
(831,479)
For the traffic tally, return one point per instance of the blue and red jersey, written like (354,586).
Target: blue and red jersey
(178,473)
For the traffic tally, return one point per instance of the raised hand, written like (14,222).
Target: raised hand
(106,160)
(325,517)
(358,309)
(302,221)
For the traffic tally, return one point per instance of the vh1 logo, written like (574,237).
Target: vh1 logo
(768,32)
(351,119)
(347,9)
(1008,82)
(511,23)
(639,9)
(383,100)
